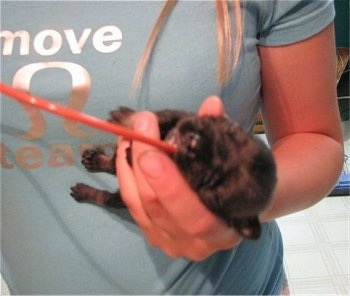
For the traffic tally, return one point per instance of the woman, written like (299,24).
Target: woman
(282,60)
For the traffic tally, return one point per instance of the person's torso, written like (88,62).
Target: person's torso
(84,55)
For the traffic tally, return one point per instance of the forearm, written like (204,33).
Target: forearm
(308,166)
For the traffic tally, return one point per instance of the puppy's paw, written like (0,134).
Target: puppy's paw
(92,159)
(82,192)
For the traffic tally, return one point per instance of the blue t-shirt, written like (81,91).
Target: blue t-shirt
(84,54)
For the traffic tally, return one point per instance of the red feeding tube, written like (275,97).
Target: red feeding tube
(86,119)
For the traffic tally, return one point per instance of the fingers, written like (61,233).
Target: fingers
(174,195)
(180,207)
(147,124)
(128,186)
(182,214)
(134,189)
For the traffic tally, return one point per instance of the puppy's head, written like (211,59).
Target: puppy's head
(195,139)
(233,173)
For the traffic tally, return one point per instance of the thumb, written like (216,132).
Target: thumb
(211,106)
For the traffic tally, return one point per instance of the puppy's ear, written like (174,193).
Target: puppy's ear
(248,227)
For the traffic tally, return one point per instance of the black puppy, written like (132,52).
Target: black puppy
(233,173)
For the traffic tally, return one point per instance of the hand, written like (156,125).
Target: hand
(160,200)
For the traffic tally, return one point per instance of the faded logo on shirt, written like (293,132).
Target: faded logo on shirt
(49,42)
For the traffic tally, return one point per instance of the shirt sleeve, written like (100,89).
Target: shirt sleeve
(293,20)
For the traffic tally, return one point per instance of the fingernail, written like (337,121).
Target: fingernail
(151,164)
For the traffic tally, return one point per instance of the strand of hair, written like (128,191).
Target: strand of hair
(140,70)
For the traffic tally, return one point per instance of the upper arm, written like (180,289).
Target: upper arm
(299,88)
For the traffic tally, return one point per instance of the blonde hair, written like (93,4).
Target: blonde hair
(228,55)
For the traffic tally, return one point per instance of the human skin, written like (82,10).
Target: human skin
(302,123)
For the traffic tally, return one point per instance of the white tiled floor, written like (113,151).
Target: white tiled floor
(317,248)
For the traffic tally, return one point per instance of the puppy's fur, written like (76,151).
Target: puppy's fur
(233,173)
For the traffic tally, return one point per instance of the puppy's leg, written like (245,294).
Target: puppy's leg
(85,193)
(96,160)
